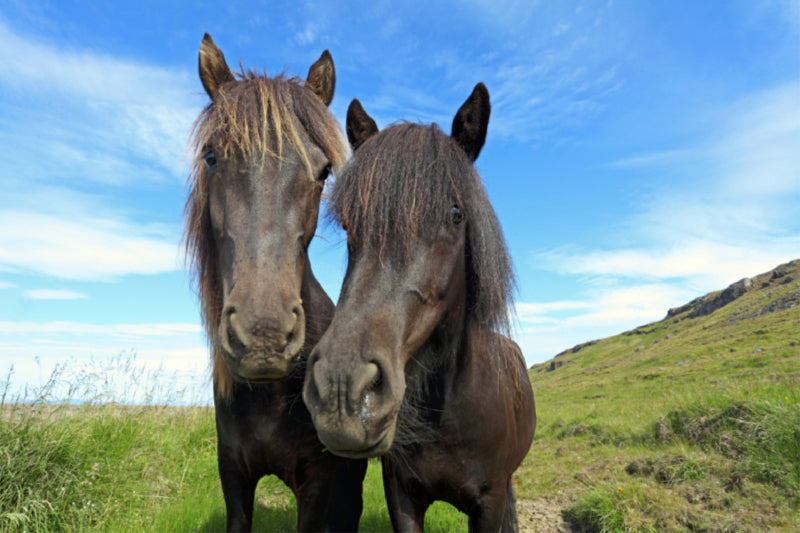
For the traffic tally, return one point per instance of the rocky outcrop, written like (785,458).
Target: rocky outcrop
(777,290)
(705,305)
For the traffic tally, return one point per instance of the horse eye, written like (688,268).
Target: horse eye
(324,174)
(456,215)
(210,159)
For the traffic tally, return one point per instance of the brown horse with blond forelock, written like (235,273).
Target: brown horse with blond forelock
(261,151)
(417,366)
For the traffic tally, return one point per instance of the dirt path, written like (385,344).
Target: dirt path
(541,516)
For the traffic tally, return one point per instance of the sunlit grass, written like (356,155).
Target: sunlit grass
(680,425)
(71,461)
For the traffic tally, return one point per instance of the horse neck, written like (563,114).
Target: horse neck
(317,306)
(451,361)
(432,377)
(440,361)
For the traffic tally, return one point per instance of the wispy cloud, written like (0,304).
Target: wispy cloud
(546,329)
(308,35)
(704,265)
(554,81)
(54,294)
(528,311)
(758,154)
(80,117)
(736,214)
(82,248)
(544,64)
(99,98)
(653,159)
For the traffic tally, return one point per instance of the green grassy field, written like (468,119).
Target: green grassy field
(688,424)
(113,468)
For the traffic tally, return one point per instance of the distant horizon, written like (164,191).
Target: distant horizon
(125,366)
(638,155)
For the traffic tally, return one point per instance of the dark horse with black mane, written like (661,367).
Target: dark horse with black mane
(417,366)
(261,152)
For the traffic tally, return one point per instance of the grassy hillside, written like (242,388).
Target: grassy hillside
(687,424)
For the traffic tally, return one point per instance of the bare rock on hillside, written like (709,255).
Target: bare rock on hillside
(705,305)
(778,290)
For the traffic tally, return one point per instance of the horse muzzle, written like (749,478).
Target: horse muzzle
(353,404)
(261,349)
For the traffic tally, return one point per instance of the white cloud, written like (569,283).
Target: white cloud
(538,86)
(81,116)
(696,264)
(308,35)
(54,294)
(538,312)
(6,285)
(94,101)
(758,154)
(82,248)
(653,158)
(546,329)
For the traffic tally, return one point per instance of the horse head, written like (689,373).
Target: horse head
(262,150)
(415,213)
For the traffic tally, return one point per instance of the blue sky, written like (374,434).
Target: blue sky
(639,154)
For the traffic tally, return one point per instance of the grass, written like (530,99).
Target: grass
(687,424)
(67,466)
(681,425)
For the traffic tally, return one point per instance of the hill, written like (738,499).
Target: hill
(691,423)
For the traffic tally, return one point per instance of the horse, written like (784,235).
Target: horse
(261,151)
(417,366)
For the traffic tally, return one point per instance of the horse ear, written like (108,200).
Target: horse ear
(472,121)
(213,69)
(360,126)
(322,77)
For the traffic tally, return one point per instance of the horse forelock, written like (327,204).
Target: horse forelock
(256,117)
(405,179)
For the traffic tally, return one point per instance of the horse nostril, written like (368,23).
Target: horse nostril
(236,347)
(376,384)
(367,388)
(316,385)
(232,340)
(295,335)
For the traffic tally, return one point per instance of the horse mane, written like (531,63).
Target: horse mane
(403,181)
(255,117)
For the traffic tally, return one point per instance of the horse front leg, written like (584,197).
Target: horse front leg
(510,522)
(238,490)
(346,504)
(313,487)
(407,502)
(488,514)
